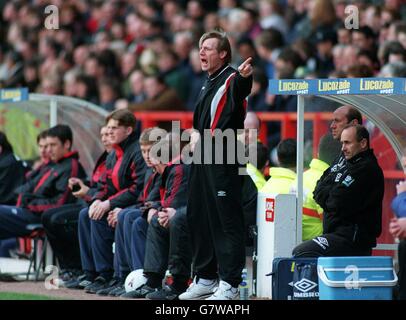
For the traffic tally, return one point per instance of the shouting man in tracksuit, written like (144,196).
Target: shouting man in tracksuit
(214,207)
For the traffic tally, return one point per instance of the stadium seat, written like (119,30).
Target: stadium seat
(38,237)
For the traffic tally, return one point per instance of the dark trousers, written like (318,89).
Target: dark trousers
(61,227)
(216,222)
(136,240)
(402,269)
(85,243)
(96,239)
(169,248)
(14,221)
(122,240)
(329,245)
(6,245)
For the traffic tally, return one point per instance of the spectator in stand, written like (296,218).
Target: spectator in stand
(109,92)
(257,99)
(246,48)
(86,88)
(396,69)
(13,70)
(196,79)
(359,71)
(321,13)
(269,44)
(159,96)
(137,93)
(173,73)
(364,38)
(325,40)
(46,190)
(31,79)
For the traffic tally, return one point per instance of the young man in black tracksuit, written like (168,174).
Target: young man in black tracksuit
(351,196)
(61,224)
(214,207)
(130,227)
(125,169)
(167,243)
(46,190)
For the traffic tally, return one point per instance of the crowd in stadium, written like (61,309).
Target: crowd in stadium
(145,55)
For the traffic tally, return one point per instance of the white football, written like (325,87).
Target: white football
(135,280)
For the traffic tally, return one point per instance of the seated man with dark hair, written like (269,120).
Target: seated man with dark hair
(61,223)
(46,190)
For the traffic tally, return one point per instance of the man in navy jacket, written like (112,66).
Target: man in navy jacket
(125,169)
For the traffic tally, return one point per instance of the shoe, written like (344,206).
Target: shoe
(199,291)
(117,291)
(80,282)
(225,292)
(98,284)
(112,285)
(139,293)
(67,275)
(166,293)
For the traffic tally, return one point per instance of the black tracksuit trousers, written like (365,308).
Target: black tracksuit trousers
(169,248)
(61,227)
(216,222)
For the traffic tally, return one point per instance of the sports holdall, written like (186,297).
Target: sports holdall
(294,279)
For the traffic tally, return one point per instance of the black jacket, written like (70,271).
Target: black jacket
(351,195)
(125,170)
(152,182)
(49,189)
(222,103)
(98,175)
(173,187)
(12,172)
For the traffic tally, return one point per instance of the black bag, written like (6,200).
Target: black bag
(305,281)
(282,276)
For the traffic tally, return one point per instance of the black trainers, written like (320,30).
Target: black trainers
(139,293)
(117,291)
(166,293)
(67,275)
(98,284)
(80,282)
(112,285)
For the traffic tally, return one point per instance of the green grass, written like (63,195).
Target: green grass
(24,296)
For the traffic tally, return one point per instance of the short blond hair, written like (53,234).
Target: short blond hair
(148,136)
(223,42)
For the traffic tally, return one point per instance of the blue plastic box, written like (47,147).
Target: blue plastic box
(356,278)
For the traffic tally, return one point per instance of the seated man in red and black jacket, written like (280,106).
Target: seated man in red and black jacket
(125,169)
(47,190)
(167,243)
(61,224)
